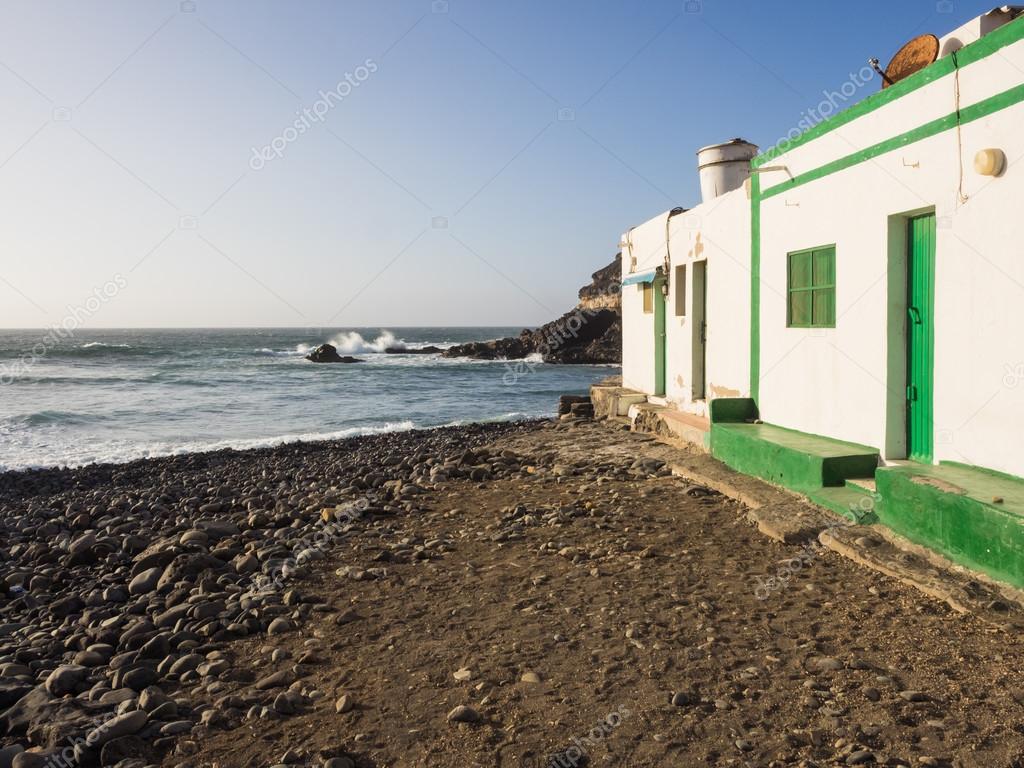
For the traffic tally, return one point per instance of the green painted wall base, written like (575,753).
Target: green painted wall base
(791,459)
(971,515)
(952,509)
(733,409)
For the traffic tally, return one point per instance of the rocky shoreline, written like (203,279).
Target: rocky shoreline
(589,334)
(122,585)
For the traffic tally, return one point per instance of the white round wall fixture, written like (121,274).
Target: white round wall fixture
(989,162)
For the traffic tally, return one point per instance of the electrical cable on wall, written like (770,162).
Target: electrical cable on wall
(959,134)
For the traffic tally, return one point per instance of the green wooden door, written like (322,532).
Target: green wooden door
(920,337)
(659,337)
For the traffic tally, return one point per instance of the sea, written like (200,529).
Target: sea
(119,395)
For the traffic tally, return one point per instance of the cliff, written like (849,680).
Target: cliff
(589,333)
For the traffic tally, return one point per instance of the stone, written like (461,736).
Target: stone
(463,714)
(278,679)
(860,757)
(7,755)
(145,582)
(344,704)
(914,696)
(127,724)
(176,727)
(31,760)
(279,626)
(65,679)
(682,699)
(283,704)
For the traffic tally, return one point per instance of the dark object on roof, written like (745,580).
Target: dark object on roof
(912,57)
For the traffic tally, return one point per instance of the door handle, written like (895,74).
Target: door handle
(911,393)
(915,315)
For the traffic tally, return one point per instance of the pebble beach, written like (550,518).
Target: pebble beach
(538,594)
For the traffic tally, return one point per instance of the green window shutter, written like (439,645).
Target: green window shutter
(812,288)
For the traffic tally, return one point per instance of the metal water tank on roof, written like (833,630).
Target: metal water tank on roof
(724,167)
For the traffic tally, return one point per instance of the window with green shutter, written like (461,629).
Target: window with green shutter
(812,288)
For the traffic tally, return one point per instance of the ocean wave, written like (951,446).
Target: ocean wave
(93,349)
(511,416)
(124,451)
(352,343)
(47,418)
(299,350)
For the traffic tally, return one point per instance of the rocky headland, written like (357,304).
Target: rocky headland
(591,333)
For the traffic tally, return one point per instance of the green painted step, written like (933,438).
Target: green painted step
(794,460)
(851,501)
(953,508)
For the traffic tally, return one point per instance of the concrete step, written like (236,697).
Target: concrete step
(852,502)
(794,460)
(973,516)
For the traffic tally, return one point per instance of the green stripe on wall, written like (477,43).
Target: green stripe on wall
(967,114)
(991,43)
(755,286)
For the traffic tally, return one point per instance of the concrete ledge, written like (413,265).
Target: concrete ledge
(973,517)
(791,459)
(611,401)
(871,547)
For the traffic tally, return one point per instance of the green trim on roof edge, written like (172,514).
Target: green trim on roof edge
(980,49)
(969,114)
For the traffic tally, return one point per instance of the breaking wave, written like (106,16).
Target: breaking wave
(352,343)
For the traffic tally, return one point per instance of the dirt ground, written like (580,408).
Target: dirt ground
(590,616)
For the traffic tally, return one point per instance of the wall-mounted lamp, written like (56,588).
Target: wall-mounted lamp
(989,162)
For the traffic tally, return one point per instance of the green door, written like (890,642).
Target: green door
(659,337)
(920,337)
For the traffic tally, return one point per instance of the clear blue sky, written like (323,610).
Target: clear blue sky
(127,132)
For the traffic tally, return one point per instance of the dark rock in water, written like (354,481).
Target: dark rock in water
(430,350)
(328,353)
(589,334)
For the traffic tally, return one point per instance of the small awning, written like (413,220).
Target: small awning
(641,277)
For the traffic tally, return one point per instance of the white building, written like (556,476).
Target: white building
(865,284)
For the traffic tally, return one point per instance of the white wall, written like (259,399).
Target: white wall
(643,250)
(849,382)
(717,232)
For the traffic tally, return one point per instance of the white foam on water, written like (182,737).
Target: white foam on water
(353,343)
(125,451)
